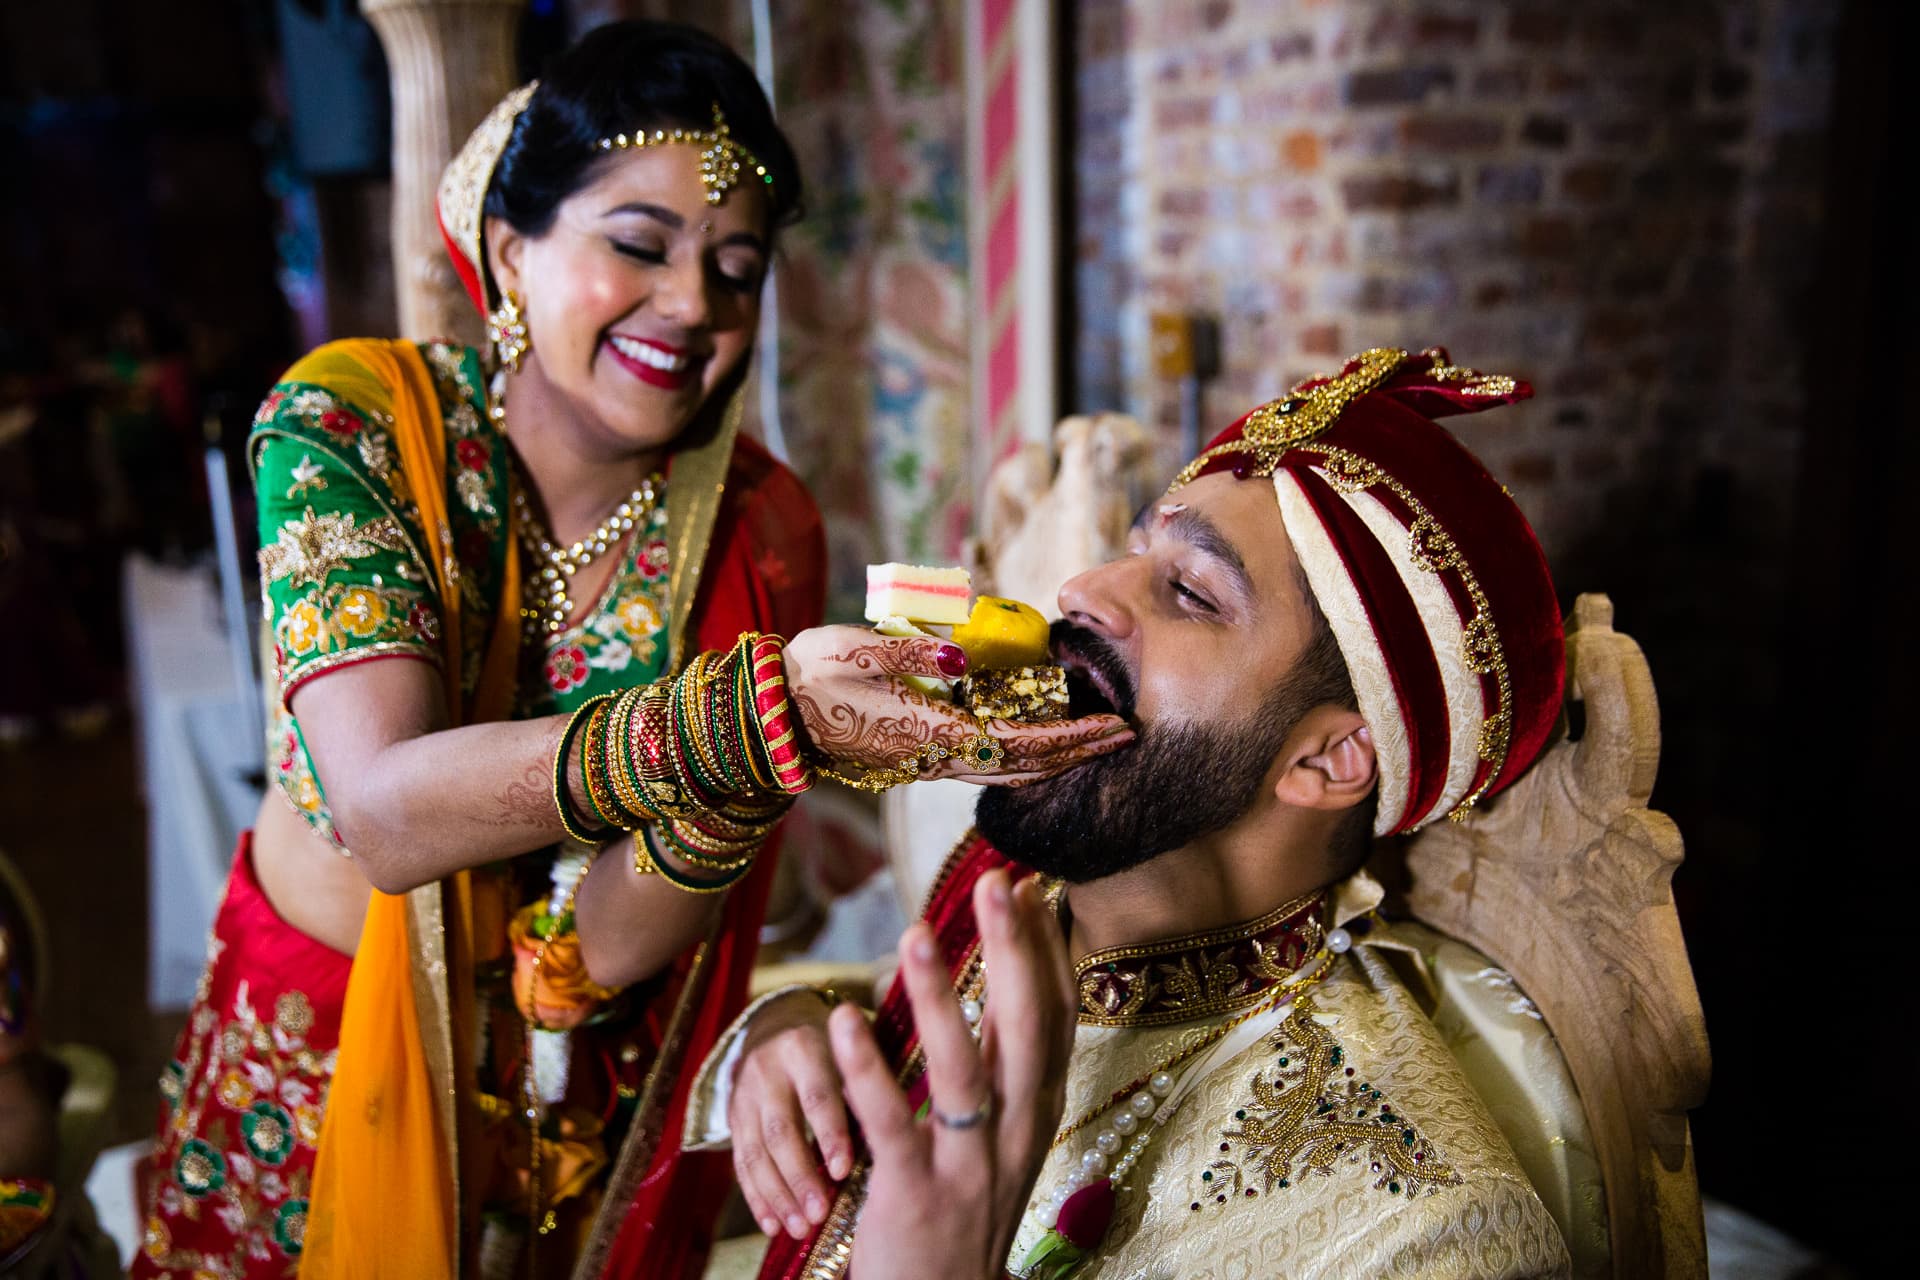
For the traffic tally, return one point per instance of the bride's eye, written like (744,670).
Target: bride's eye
(639,252)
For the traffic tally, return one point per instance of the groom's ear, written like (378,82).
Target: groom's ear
(1329,761)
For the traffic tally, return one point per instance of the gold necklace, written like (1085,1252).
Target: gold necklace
(546,604)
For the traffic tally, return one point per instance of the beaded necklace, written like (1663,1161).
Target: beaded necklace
(546,605)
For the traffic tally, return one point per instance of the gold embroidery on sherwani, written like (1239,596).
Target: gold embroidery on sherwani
(1311,1111)
(1489,1225)
(1199,975)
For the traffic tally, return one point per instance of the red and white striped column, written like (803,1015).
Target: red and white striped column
(1012,226)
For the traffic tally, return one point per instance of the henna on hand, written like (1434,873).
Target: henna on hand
(528,799)
(853,709)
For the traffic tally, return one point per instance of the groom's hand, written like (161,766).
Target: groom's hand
(947,1191)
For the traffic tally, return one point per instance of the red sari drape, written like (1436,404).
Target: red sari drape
(765,571)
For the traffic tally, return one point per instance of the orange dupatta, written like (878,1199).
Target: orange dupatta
(386,1197)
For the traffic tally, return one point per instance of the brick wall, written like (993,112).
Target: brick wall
(1611,200)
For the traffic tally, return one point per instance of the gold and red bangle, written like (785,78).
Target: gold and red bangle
(688,766)
(744,717)
(627,791)
(718,849)
(645,774)
(593,765)
(691,737)
(720,838)
(696,855)
(649,755)
(723,717)
(645,848)
(776,717)
(705,719)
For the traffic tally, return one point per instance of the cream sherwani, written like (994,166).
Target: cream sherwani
(1328,1136)
(1335,1215)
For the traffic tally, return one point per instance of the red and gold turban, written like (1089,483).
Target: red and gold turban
(1436,589)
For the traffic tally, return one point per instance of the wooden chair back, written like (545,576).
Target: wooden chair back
(1565,880)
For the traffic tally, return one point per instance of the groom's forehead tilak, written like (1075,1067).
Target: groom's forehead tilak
(1219,520)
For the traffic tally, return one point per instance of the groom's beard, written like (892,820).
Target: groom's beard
(1175,784)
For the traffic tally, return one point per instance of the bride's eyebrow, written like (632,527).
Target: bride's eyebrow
(659,213)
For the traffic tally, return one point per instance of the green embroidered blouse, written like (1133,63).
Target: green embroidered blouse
(343,576)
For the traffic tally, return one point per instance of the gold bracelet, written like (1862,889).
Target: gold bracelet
(982,752)
(562,790)
(626,788)
(593,766)
(678,879)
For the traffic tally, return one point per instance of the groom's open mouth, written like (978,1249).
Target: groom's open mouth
(1097,680)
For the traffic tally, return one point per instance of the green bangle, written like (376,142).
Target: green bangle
(562,797)
(680,879)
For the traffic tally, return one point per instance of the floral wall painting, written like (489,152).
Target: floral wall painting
(873,357)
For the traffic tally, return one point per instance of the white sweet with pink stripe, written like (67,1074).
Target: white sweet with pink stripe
(914,591)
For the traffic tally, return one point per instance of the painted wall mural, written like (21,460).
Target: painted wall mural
(873,282)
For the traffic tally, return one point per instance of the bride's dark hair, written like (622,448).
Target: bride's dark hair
(622,78)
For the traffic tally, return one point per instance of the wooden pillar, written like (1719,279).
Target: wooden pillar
(448,61)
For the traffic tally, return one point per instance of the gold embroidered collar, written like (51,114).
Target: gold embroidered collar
(1202,974)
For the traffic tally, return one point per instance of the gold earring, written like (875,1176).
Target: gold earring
(508,332)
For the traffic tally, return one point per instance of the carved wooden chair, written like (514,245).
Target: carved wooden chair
(1551,950)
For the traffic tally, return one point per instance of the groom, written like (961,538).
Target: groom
(1148,1026)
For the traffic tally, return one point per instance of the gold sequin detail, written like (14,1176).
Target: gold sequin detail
(293,1013)
(1311,1113)
(311,547)
(463,185)
(1308,413)
(1473,382)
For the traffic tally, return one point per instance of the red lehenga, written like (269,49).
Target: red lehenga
(229,1191)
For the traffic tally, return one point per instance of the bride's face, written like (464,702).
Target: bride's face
(641,298)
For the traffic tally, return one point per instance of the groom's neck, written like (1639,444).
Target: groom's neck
(1232,876)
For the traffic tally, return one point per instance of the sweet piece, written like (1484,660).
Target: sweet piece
(917,592)
(1001,634)
(1030,694)
(932,686)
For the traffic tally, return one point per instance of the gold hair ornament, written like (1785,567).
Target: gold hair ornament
(721,158)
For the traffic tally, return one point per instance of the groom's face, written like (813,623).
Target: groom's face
(1194,636)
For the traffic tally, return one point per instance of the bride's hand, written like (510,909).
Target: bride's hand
(844,685)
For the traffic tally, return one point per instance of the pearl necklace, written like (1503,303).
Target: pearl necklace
(1130,1126)
(546,604)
